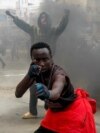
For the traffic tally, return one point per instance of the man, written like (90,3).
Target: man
(67,111)
(45,33)
(2,52)
(2,62)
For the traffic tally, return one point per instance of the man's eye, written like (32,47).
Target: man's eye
(45,59)
(37,60)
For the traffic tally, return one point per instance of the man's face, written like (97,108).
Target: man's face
(42,58)
(43,19)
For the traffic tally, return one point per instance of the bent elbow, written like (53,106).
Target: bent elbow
(18,95)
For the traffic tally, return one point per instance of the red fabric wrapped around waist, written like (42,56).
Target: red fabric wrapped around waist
(84,94)
(75,118)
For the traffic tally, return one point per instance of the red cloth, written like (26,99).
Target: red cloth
(76,118)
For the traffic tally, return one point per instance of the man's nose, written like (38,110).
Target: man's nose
(41,63)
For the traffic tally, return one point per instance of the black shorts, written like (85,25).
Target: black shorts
(43,130)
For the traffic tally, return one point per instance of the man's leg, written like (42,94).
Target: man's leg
(33,101)
(32,105)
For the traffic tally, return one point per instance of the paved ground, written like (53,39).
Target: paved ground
(12,108)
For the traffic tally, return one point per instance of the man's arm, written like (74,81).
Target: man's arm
(61,27)
(28,80)
(23,86)
(20,23)
(57,87)
(43,93)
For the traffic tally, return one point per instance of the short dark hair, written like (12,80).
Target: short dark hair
(40,45)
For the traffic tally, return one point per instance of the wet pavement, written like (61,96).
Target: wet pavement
(11,108)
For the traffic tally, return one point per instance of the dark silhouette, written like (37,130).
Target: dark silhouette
(2,62)
(2,52)
(44,32)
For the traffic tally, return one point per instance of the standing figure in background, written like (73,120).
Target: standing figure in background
(2,62)
(2,52)
(68,111)
(43,33)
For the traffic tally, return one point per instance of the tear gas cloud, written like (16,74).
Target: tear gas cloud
(77,49)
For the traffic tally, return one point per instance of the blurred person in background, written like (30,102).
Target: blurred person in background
(2,53)
(2,62)
(44,32)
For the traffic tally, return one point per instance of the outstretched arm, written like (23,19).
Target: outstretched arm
(57,87)
(61,27)
(43,93)
(27,81)
(9,14)
(23,86)
(20,23)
